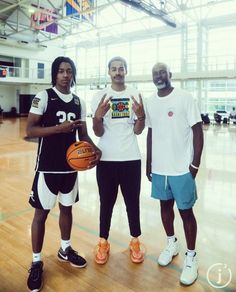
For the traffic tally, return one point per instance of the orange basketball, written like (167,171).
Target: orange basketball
(79,154)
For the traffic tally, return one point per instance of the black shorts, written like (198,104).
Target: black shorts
(48,186)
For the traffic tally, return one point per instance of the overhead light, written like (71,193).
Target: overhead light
(31,10)
(151,10)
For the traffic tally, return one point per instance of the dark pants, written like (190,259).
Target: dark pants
(111,175)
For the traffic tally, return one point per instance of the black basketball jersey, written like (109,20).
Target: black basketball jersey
(52,149)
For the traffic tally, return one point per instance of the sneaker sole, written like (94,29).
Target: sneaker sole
(188,284)
(73,265)
(137,261)
(164,265)
(101,262)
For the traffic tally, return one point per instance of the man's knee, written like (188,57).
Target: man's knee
(40,215)
(166,205)
(65,210)
(187,214)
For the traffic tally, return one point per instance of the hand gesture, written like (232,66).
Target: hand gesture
(103,107)
(70,126)
(138,107)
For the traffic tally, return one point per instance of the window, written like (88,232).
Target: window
(40,70)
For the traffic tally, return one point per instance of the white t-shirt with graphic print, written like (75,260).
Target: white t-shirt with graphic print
(171,118)
(118,143)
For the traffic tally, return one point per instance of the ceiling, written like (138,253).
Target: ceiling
(105,22)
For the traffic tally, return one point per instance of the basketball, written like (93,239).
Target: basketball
(79,155)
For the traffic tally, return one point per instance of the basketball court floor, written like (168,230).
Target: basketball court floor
(215,212)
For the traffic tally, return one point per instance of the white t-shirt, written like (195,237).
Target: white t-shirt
(233,113)
(171,118)
(43,101)
(119,142)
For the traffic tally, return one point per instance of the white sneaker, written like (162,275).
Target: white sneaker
(168,253)
(190,270)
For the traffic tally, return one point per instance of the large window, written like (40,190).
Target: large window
(169,51)
(221,94)
(143,56)
(222,48)
(219,55)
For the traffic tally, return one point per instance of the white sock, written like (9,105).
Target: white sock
(65,244)
(191,252)
(171,238)
(36,257)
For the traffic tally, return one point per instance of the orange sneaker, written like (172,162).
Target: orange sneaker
(102,252)
(137,251)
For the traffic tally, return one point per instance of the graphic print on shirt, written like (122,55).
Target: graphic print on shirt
(120,108)
(35,102)
(65,116)
(170,112)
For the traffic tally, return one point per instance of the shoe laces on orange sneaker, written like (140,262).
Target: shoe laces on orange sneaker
(137,251)
(102,252)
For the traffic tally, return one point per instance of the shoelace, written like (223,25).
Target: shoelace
(34,272)
(135,246)
(188,261)
(168,248)
(102,248)
(73,254)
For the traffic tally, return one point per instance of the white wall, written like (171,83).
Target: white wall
(7,97)
(35,88)
(31,52)
(9,93)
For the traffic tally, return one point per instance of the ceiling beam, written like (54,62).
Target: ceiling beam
(151,10)
(12,6)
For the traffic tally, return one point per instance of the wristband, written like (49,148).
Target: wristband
(141,118)
(193,166)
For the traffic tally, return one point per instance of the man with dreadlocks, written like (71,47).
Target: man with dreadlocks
(54,117)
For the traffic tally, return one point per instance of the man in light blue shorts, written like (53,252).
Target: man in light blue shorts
(174,148)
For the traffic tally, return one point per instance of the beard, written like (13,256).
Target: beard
(161,85)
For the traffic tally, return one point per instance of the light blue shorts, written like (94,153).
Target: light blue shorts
(181,188)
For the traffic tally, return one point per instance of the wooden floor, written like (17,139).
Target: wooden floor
(215,211)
